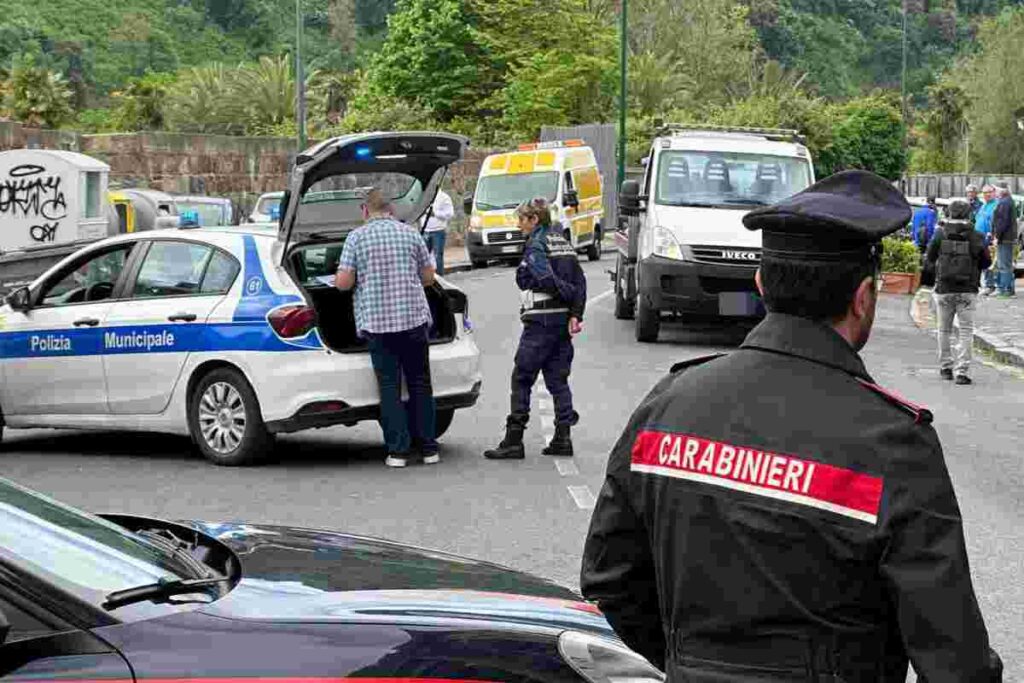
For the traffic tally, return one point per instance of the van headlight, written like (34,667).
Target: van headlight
(602,660)
(476,222)
(664,243)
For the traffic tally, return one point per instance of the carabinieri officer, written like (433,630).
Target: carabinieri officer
(775,515)
(554,294)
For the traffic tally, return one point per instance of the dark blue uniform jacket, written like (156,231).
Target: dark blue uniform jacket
(551,266)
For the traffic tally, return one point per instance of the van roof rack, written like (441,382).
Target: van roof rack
(782,134)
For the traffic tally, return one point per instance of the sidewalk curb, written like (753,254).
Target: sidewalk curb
(922,308)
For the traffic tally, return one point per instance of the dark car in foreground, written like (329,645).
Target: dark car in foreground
(125,598)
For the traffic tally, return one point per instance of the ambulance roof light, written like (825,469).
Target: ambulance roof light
(550,144)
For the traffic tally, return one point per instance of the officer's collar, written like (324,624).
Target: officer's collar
(815,341)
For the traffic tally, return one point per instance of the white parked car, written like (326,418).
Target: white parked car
(230,335)
(267,208)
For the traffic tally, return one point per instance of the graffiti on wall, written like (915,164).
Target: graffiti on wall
(29,192)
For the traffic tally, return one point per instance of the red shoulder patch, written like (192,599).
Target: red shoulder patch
(920,414)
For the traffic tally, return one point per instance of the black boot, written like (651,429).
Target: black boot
(511,447)
(560,444)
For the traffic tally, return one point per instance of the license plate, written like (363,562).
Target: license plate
(739,304)
(510,250)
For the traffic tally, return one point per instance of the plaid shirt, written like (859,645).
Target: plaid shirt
(387,257)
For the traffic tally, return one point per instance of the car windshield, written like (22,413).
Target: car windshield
(203,215)
(80,553)
(690,178)
(509,191)
(266,205)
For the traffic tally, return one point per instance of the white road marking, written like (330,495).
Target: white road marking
(594,300)
(584,498)
(566,467)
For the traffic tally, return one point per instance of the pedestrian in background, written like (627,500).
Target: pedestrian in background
(972,199)
(435,232)
(554,295)
(983,224)
(773,514)
(923,224)
(1004,235)
(387,264)
(958,255)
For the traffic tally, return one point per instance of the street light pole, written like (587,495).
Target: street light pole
(300,79)
(903,68)
(622,94)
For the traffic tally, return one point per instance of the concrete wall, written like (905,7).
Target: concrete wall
(236,167)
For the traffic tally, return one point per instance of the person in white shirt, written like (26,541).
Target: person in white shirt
(436,231)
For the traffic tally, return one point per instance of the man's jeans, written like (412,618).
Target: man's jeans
(961,307)
(393,355)
(1004,267)
(435,242)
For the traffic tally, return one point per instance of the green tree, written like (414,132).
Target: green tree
(429,57)
(201,102)
(868,133)
(37,96)
(995,94)
(140,106)
(262,95)
(939,137)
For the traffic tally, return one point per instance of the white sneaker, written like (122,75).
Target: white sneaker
(395,461)
(431,459)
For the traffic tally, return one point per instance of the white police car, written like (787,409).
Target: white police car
(231,335)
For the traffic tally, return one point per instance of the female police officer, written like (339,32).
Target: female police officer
(553,298)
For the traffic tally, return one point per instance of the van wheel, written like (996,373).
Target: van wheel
(595,250)
(624,309)
(225,421)
(443,422)
(477,263)
(648,320)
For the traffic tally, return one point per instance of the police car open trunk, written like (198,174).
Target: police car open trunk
(324,203)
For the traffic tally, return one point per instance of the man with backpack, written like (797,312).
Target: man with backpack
(959,255)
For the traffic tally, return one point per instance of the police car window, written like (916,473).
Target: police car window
(317,261)
(220,274)
(91,280)
(23,624)
(171,269)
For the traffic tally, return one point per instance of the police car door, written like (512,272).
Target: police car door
(169,295)
(51,352)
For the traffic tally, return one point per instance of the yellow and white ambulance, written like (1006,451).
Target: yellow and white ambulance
(565,172)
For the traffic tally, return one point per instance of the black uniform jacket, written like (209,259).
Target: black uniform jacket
(772,515)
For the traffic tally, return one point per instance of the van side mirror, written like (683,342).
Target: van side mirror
(571,198)
(19,299)
(467,203)
(629,198)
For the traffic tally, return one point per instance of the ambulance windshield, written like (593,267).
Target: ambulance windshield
(508,191)
(729,179)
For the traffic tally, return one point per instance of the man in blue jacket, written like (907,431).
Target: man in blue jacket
(1004,234)
(922,226)
(554,294)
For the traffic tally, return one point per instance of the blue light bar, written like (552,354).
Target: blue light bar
(362,152)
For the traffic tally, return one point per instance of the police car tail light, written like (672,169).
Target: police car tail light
(292,321)
(601,660)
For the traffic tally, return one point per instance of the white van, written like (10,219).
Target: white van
(681,240)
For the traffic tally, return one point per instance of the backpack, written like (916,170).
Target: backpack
(956,267)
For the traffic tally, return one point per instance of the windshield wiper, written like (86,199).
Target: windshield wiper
(484,206)
(705,205)
(746,202)
(179,551)
(164,588)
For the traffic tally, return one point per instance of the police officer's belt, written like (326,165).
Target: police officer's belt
(540,301)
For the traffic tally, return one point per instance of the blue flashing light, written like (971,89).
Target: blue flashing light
(362,152)
(189,218)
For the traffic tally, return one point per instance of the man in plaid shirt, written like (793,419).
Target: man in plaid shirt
(387,263)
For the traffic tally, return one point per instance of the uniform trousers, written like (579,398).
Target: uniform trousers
(958,306)
(544,346)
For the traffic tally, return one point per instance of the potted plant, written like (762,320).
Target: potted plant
(901,266)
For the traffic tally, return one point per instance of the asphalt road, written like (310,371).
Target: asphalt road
(533,514)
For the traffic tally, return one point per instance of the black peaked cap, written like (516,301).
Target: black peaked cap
(840,218)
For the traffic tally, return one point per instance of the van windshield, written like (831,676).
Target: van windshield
(509,191)
(730,179)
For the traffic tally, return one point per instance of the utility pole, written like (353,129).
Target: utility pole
(623,50)
(903,69)
(300,79)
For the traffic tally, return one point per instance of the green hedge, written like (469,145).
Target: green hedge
(900,256)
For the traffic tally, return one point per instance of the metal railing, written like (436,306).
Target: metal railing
(782,134)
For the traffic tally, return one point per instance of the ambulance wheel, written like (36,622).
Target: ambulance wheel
(225,421)
(443,422)
(624,309)
(594,250)
(648,320)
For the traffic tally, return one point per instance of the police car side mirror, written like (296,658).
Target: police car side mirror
(19,299)
(467,203)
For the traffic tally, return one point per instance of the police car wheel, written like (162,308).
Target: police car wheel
(225,420)
(648,320)
(443,422)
